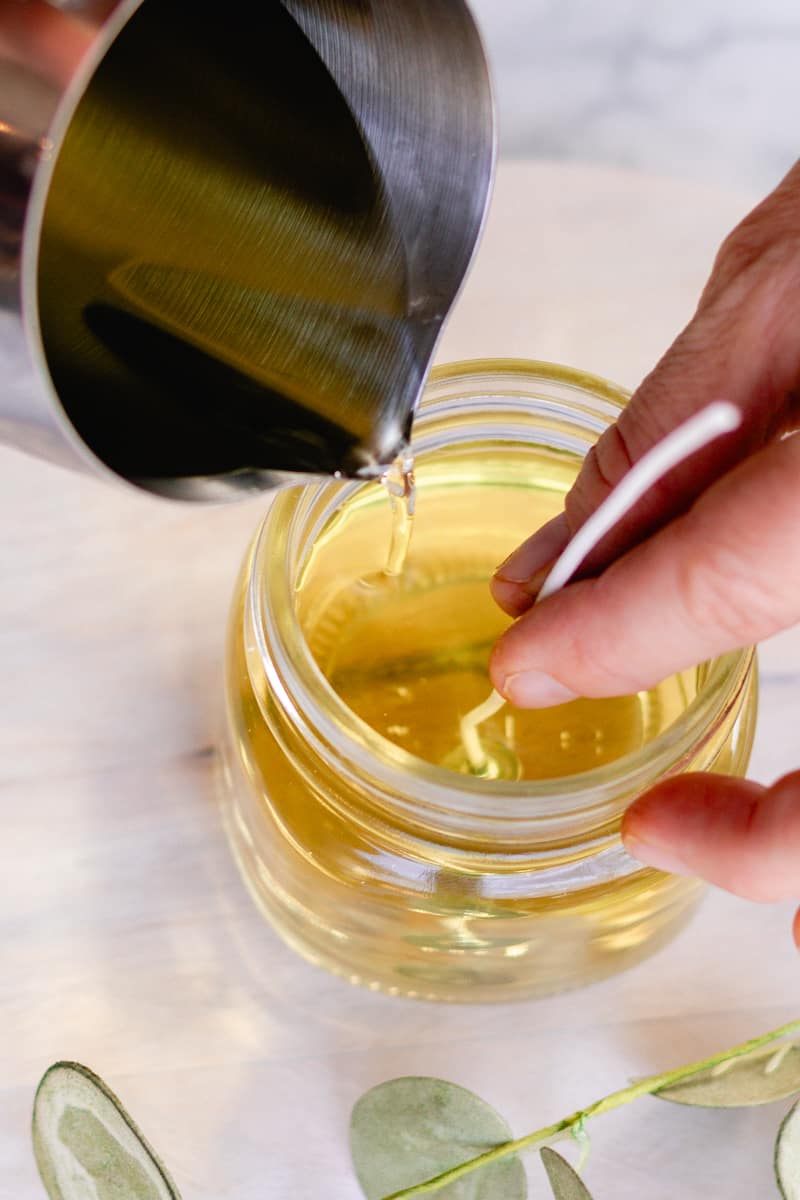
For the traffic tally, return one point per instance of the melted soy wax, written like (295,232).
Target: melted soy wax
(405,642)
(400,483)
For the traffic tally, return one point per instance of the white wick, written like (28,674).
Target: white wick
(468,725)
(705,426)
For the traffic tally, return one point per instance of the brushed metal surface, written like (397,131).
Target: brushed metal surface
(228,242)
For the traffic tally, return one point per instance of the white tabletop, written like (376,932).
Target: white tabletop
(127,940)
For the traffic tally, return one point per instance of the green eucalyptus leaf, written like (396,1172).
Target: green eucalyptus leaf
(564,1179)
(787,1155)
(770,1074)
(86,1145)
(410,1130)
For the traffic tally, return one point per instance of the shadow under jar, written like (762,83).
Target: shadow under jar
(353,824)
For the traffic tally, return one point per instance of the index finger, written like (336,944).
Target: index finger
(743,345)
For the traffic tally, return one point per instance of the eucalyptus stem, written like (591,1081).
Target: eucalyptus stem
(643,1087)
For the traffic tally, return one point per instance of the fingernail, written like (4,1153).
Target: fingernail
(537,554)
(517,598)
(535,689)
(512,597)
(663,858)
(534,584)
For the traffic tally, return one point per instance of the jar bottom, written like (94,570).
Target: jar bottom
(435,951)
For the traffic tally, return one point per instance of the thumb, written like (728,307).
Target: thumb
(724,576)
(738,835)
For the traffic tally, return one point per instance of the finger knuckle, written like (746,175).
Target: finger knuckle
(741,247)
(605,464)
(753,265)
(720,595)
(599,665)
(600,669)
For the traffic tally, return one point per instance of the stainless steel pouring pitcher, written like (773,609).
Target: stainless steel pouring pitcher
(230,234)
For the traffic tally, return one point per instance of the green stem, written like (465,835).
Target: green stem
(580,1135)
(644,1087)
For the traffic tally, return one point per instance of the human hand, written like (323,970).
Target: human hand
(707,562)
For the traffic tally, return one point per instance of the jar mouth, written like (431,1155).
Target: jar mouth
(498,399)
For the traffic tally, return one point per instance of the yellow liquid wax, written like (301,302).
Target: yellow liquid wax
(407,647)
(387,901)
(401,485)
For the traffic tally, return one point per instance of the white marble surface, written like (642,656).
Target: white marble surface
(126,938)
(703,89)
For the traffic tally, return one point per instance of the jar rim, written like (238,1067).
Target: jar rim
(403,780)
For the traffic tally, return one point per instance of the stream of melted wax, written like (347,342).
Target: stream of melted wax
(399,483)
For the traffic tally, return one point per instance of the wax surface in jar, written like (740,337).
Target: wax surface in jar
(408,653)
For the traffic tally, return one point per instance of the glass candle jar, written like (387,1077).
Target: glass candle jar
(361,840)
